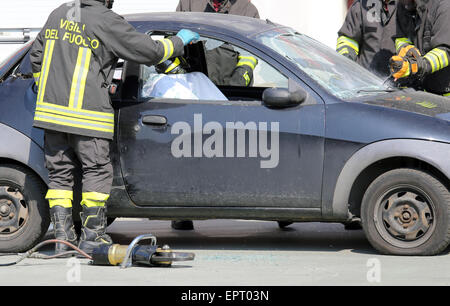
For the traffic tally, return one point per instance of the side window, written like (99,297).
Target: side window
(25,65)
(264,75)
(210,70)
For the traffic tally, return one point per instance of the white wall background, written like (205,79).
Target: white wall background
(318,19)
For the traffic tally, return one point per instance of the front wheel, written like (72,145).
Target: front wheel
(24,213)
(407,212)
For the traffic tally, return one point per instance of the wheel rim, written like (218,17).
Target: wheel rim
(405,216)
(14,210)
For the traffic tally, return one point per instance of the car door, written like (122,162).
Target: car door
(235,153)
(21,91)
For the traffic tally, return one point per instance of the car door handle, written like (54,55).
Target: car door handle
(154,120)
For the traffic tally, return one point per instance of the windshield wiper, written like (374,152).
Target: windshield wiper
(376,90)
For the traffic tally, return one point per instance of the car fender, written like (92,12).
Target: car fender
(20,148)
(433,153)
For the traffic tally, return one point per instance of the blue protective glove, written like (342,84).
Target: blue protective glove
(187,36)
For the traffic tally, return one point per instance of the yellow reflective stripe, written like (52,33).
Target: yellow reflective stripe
(59,194)
(442,56)
(243,63)
(96,196)
(434,61)
(343,51)
(75,77)
(90,203)
(48,54)
(71,122)
(66,203)
(84,75)
(247,60)
(168,49)
(72,115)
(400,42)
(247,78)
(165,51)
(446,95)
(174,65)
(79,78)
(250,58)
(36,77)
(171,49)
(346,41)
(84,111)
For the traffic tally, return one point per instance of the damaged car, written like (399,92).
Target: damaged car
(313,137)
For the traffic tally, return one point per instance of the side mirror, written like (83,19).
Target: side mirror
(282,98)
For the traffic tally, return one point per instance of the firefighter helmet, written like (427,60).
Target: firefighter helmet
(176,65)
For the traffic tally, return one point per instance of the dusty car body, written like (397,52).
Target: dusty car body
(346,134)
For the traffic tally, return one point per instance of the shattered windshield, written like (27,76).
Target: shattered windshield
(340,76)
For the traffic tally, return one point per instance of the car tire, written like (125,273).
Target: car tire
(407,212)
(22,196)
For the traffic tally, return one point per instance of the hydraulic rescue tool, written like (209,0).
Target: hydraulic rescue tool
(135,254)
(113,255)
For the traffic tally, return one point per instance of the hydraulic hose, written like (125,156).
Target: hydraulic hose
(30,253)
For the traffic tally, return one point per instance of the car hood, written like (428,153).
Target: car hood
(414,101)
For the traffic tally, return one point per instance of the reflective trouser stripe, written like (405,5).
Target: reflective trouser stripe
(66,203)
(59,194)
(438,59)
(446,95)
(59,197)
(344,41)
(48,54)
(402,42)
(79,78)
(168,49)
(94,199)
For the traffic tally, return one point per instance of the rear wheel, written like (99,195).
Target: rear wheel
(407,212)
(24,213)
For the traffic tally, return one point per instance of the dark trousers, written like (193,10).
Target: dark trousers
(64,152)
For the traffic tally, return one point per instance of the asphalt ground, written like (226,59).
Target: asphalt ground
(242,253)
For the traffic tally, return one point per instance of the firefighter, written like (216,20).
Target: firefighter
(225,65)
(233,7)
(367,35)
(73,60)
(423,48)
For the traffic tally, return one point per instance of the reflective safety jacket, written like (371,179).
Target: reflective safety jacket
(368,33)
(227,67)
(73,58)
(429,30)
(232,7)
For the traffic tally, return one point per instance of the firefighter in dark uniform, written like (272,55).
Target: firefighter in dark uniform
(233,7)
(423,48)
(367,35)
(73,60)
(225,65)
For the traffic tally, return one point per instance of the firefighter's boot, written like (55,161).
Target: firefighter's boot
(63,227)
(93,231)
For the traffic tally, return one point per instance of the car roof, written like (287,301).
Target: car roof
(240,25)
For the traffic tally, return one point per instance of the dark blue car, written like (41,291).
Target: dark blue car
(314,138)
